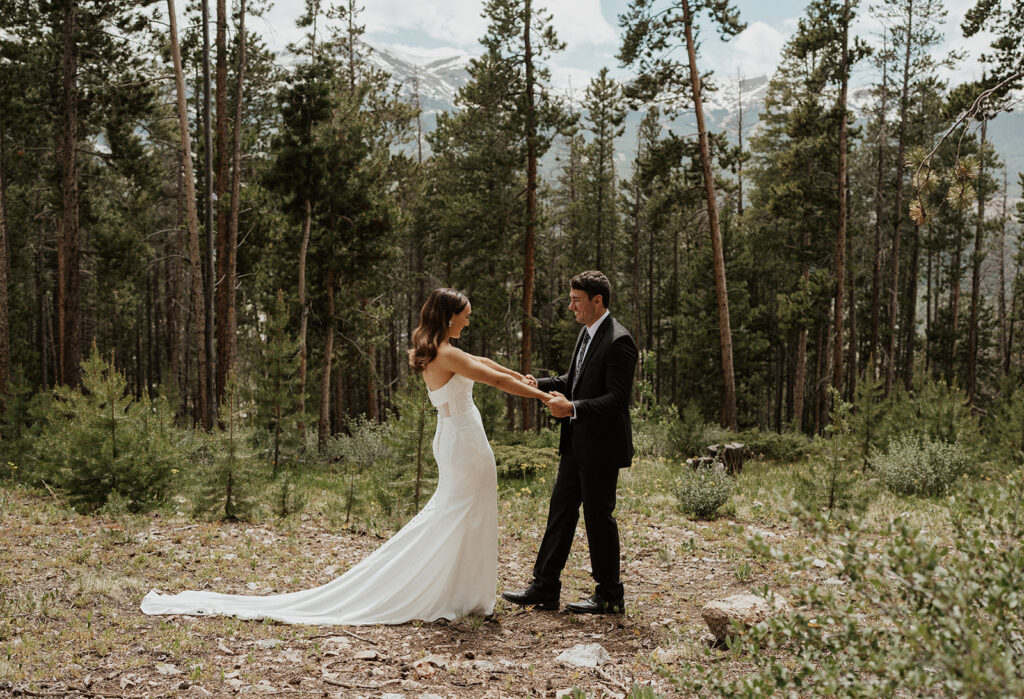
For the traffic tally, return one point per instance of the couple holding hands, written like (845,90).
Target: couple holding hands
(443,563)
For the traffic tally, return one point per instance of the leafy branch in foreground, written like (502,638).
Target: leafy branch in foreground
(906,613)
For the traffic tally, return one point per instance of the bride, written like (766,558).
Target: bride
(443,563)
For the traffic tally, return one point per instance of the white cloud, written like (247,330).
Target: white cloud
(452,21)
(580,22)
(755,51)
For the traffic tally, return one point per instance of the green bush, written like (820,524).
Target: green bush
(99,442)
(918,465)
(913,615)
(700,492)
(516,461)
(690,435)
(787,447)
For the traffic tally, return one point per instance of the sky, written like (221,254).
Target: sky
(590,29)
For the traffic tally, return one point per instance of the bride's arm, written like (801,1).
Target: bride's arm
(487,361)
(455,360)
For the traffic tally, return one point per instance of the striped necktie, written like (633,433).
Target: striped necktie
(579,358)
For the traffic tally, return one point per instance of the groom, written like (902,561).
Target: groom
(592,401)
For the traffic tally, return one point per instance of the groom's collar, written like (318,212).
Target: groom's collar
(592,329)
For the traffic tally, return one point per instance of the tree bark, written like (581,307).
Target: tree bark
(5,277)
(1004,353)
(915,256)
(208,204)
(324,423)
(976,259)
(901,146)
(954,298)
(303,317)
(837,348)
(225,290)
(876,271)
(531,210)
(202,401)
(721,292)
(68,253)
(228,322)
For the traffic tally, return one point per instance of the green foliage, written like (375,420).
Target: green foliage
(99,442)
(230,473)
(1004,430)
(276,391)
(411,472)
(918,465)
(786,447)
(700,492)
(22,421)
(363,450)
(690,434)
(832,482)
(916,615)
(519,461)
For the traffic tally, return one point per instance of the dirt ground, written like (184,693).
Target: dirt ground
(70,623)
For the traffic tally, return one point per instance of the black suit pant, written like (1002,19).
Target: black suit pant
(593,485)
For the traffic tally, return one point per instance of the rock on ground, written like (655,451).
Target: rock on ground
(746,609)
(584,655)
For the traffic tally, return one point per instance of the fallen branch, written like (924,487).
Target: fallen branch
(347,633)
(608,678)
(349,685)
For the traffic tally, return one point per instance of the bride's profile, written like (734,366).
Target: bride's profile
(443,563)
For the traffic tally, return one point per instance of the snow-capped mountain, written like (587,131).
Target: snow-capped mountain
(438,78)
(440,75)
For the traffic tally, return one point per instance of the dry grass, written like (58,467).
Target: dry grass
(70,586)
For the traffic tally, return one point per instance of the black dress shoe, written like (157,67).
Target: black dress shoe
(531,596)
(596,604)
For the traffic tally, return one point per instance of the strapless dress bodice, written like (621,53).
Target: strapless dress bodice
(454,398)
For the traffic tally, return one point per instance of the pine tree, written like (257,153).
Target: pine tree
(100,442)
(653,31)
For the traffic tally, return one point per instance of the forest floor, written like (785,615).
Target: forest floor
(70,587)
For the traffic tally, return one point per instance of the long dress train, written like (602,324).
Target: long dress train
(442,564)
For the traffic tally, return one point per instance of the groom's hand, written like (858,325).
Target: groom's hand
(559,405)
(529,380)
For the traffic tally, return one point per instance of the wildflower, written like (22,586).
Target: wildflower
(174,470)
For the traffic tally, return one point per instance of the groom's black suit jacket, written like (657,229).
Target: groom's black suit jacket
(601,431)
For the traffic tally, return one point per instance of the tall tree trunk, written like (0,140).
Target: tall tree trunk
(531,207)
(721,293)
(954,297)
(208,204)
(911,302)
(739,137)
(224,287)
(1004,352)
(901,146)
(876,271)
(851,387)
(5,276)
(303,317)
(68,252)
(976,259)
(40,294)
(199,309)
(324,423)
(837,348)
(228,321)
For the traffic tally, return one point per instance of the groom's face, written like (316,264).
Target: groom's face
(585,309)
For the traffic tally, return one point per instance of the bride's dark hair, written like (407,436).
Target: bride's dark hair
(435,317)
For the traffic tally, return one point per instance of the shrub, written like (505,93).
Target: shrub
(917,615)
(832,481)
(690,434)
(229,469)
(516,461)
(787,447)
(100,442)
(702,491)
(919,465)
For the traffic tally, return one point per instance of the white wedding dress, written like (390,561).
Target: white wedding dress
(442,564)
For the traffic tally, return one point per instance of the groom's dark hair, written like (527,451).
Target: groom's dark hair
(593,283)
